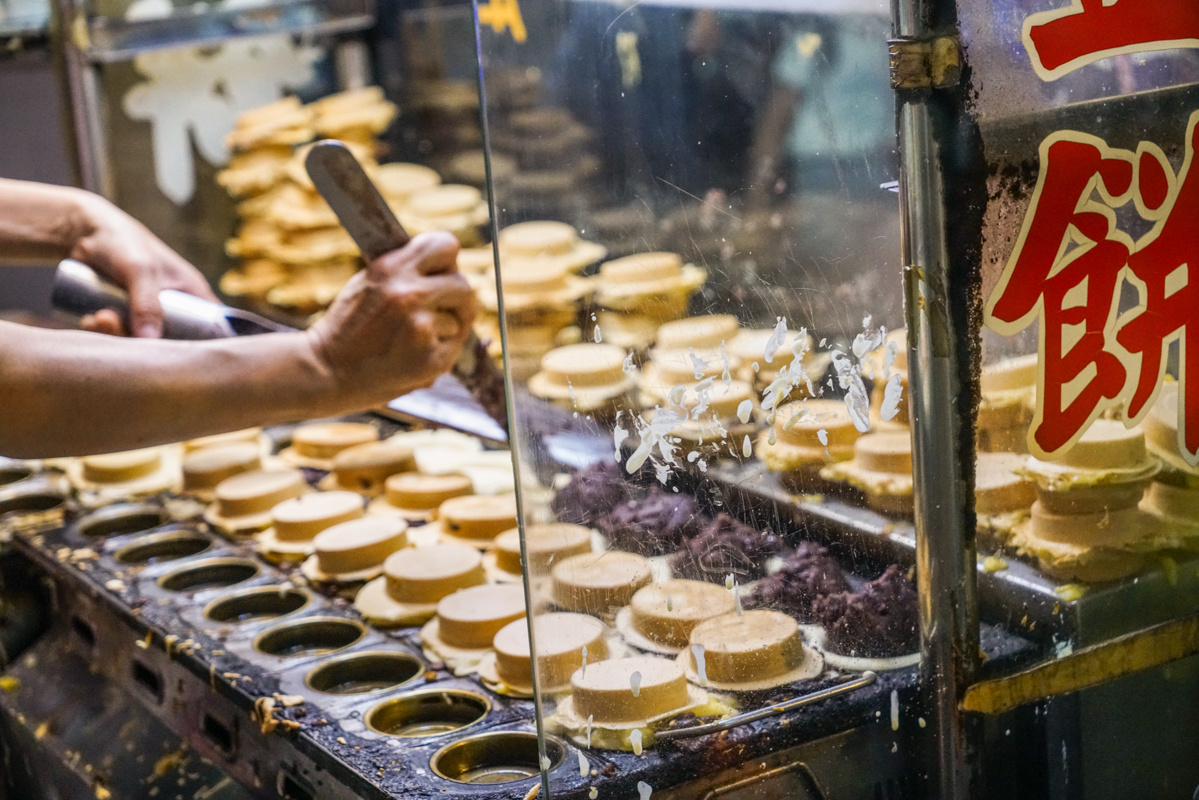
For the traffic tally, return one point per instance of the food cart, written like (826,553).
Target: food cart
(846,378)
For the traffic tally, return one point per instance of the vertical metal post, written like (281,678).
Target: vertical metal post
(83,89)
(945,555)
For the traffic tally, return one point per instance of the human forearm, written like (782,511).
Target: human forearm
(39,222)
(49,223)
(396,326)
(71,393)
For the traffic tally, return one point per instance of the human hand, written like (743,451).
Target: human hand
(399,323)
(126,252)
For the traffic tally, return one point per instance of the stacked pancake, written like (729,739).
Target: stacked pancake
(806,437)
(750,348)
(457,208)
(639,292)
(553,153)
(881,468)
(719,419)
(542,294)
(1173,494)
(1086,524)
(1003,495)
(1009,390)
(587,378)
(293,254)
(687,352)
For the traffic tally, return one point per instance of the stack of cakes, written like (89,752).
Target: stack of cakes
(457,208)
(1003,495)
(555,162)
(445,113)
(541,299)
(587,378)
(639,292)
(1173,495)
(763,357)
(1009,390)
(688,351)
(881,468)
(293,253)
(1086,524)
(806,437)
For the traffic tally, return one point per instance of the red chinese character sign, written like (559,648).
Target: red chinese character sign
(1072,263)
(1065,39)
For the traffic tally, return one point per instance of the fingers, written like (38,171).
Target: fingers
(104,321)
(145,312)
(433,253)
(451,296)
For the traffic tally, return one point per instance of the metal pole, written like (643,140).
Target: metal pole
(945,554)
(84,91)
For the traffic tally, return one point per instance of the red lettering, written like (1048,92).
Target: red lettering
(1170,300)
(1066,39)
(1072,263)
(1067,267)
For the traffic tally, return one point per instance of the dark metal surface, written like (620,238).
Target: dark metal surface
(201,678)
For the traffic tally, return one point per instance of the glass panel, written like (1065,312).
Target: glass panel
(701,298)
(1085,539)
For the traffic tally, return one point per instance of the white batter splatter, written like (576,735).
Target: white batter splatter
(655,434)
(822,435)
(584,766)
(626,366)
(697,364)
(894,710)
(677,394)
(584,666)
(599,337)
(776,340)
(546,764)
(644,789)
(891,396)
(619,434)
(635,684)
(590,719)
(856,399)
(594,793)
(635,741)
(744,409)
(701,666)
(747,447)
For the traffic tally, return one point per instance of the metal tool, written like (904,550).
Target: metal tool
(365,215)
(77,290)
(865,679)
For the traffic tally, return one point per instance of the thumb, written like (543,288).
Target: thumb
(145,311)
